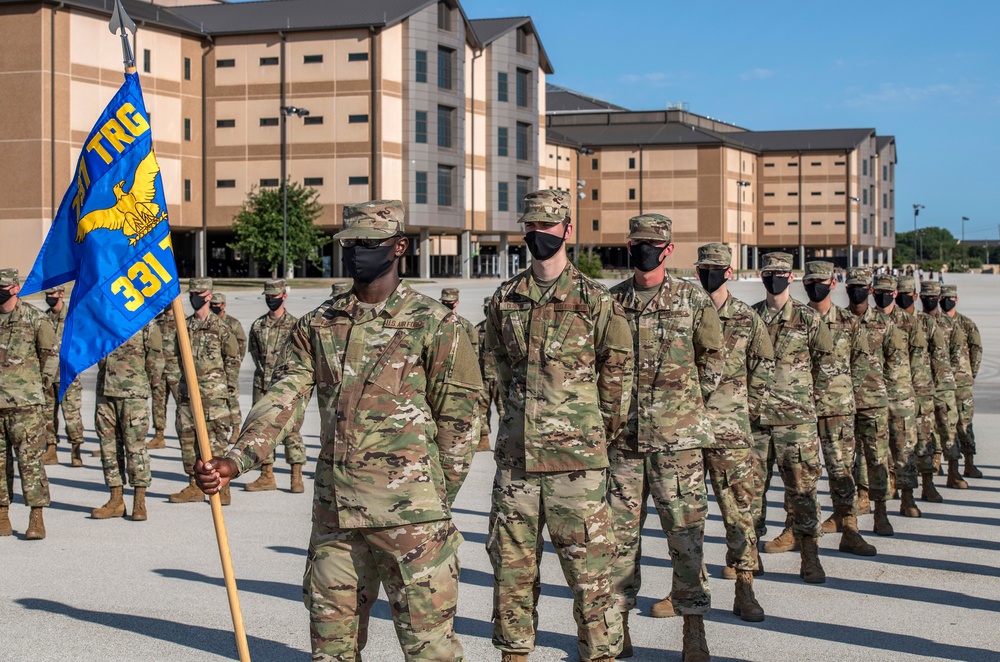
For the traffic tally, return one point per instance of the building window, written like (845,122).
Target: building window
(793,223)
(446,126)
(840,222)
(269,183)
(523,88)
(769,165)
(268,61)
(769,224)
(312,181)
(420,66)
(769,195)
(593,164)
(312,119)
(446,182)
(816,193)
(312,59)
(838,163)
(187,129)
(501,141)
(357,181)
(885,228)
(357,57)
(816,223)
(885,173)
(816,163)
(187,68)
(885,201)
(522,41)
(446,68)
(225,64)
(225,183)
(523,187)
(187,190)
(269,121)
(444,17)
(147,60)
(357,119)
(631,163)
(864,167)
(838,193)
(420,130)
(523,141)
(864,225)
(420,192)
(793,165)
(225,124)
(595,225)
(793,194)
(503,195)
(864,196)
(631,194)
(593,194)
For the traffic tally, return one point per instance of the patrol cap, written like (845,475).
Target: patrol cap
(949,290)
(547,206)
(776,261)
(57,288)
(9,277)
(818,270)
(376,219)
(714,255)
(336,289)
(449,294)
(197,285)
(274,287)
(859,276)
(218,298)
(906,285)
(884,282)
(930,288)
(653,227)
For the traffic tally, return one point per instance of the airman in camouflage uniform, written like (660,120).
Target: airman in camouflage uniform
(124,381)
(449,298)
(786,430)
(835,406)
(966,368)
(563,354)
(268,335)
(215,349)
(27,368)
(72,399)
(167,385)
(491,384)
(233,364)
(398,385)
(746,377)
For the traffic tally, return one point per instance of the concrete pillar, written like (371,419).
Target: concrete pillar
(756,258)
(503,252)
(466,254)
(425,253)
(802,257)
(850,256)
(743,258)
(200,253)
(871,256)
(888,254)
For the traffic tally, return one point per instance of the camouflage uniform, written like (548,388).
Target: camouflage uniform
(966,362)
(122,417)
(336,289)
(923,344)
(449,297)
(167,384)
(563,358)
(73,398)
(397,385)
(491,384)
(232,363)
(944,338)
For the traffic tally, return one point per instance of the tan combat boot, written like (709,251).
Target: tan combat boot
(851,541)
(882,526)
(139,505)
(36,525)
(298,486)
(115,507)
(938,469)
(728,573)
(5,528)
(892,485)
(49,456)
(970,468)
(484,445)
(513,657)
(627,650)
(760,565)
(266,481)
(833,524)
(75,459)
(745,603)
(157,441)
(695,646)
(907,506)
(928,492)
(785,542)
(864,503)
(954,480)
(663,609)
(96,453)
(190,494)
(226,495)
(811,570)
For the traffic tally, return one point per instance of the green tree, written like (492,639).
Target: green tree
(259,232)
(933,244)
(590,264)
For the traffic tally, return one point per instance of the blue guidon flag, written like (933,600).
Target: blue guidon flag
(111,236)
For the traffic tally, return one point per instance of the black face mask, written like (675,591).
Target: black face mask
(929,303)
(197,301)
(51,302)
(947,305)
(451,305)
(216,309)
(646,257)
(5,296)
(273,303)
(904,300)
(857,294)
(817,291)
(543,245)
(366,264)
(883,299)
(775,284)
(712,279)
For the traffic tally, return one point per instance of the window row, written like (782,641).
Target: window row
(446,186)
(273,182)
(275,121)
(794,164)
(446,71)
(523,185)
(272,60)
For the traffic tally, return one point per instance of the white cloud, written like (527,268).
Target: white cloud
(895,94)
(757,74)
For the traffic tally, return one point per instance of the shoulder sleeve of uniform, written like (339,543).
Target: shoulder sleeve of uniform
(463,360)
(822,339)
(760,339)
(708,329)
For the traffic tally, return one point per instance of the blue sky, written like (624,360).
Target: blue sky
(927,73)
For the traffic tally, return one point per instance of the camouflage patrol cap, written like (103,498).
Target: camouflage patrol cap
(884,282)
(776,261)
(714,255)
(336,289)
(949,290)
(818,270)
(200,285)
(9,277)
(906,285)
(274,287)
(547,206)
(449,294)
(652,227)
(218,299)
(859,276)
(376,219)
(930,288)
(57,288)
(487,300)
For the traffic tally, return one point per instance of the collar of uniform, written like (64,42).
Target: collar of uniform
(351,307)
(559,290)
(783,315)
(726,311)
(662,300)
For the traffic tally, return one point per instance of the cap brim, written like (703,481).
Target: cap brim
(651,236)
(541,217)
(365,233)
(712,263)
(811,277)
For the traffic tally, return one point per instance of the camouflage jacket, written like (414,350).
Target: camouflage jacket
(168,334)
(470,332)
(746,377)
(564,361)
(398,390)
(57,318)
(214,348)
(679,350)
(887,353)
(835,390)
(970,352)
(267,337)
(134,368)
(898,383)
(28,357)
(915,332)
(939,355)
(488,368)
(803,350)
(233,363)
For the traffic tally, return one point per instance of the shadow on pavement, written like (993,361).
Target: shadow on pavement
(260,586)
(938,564)
(197,637)
(951,541)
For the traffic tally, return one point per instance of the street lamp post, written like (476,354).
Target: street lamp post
(850,245)
(285,112)
(580,195)
(740,184)
(916,212)
(965,256)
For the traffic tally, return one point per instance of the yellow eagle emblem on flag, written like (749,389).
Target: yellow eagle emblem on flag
(134,212)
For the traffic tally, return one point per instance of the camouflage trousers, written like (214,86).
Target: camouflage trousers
(966,434)
(795,448)
(872,465)
(573,506)
(71,404)
(295,448)
(165,389)
(734,483)
(926,435)
(122,424)
(836,439)
(416,564)
(22,437)
(216,420)
(946,423)
(490,396)
(903,443)
(677,482)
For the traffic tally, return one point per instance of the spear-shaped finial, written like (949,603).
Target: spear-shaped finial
(121,21)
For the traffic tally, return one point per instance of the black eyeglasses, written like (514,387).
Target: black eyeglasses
(366,243)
